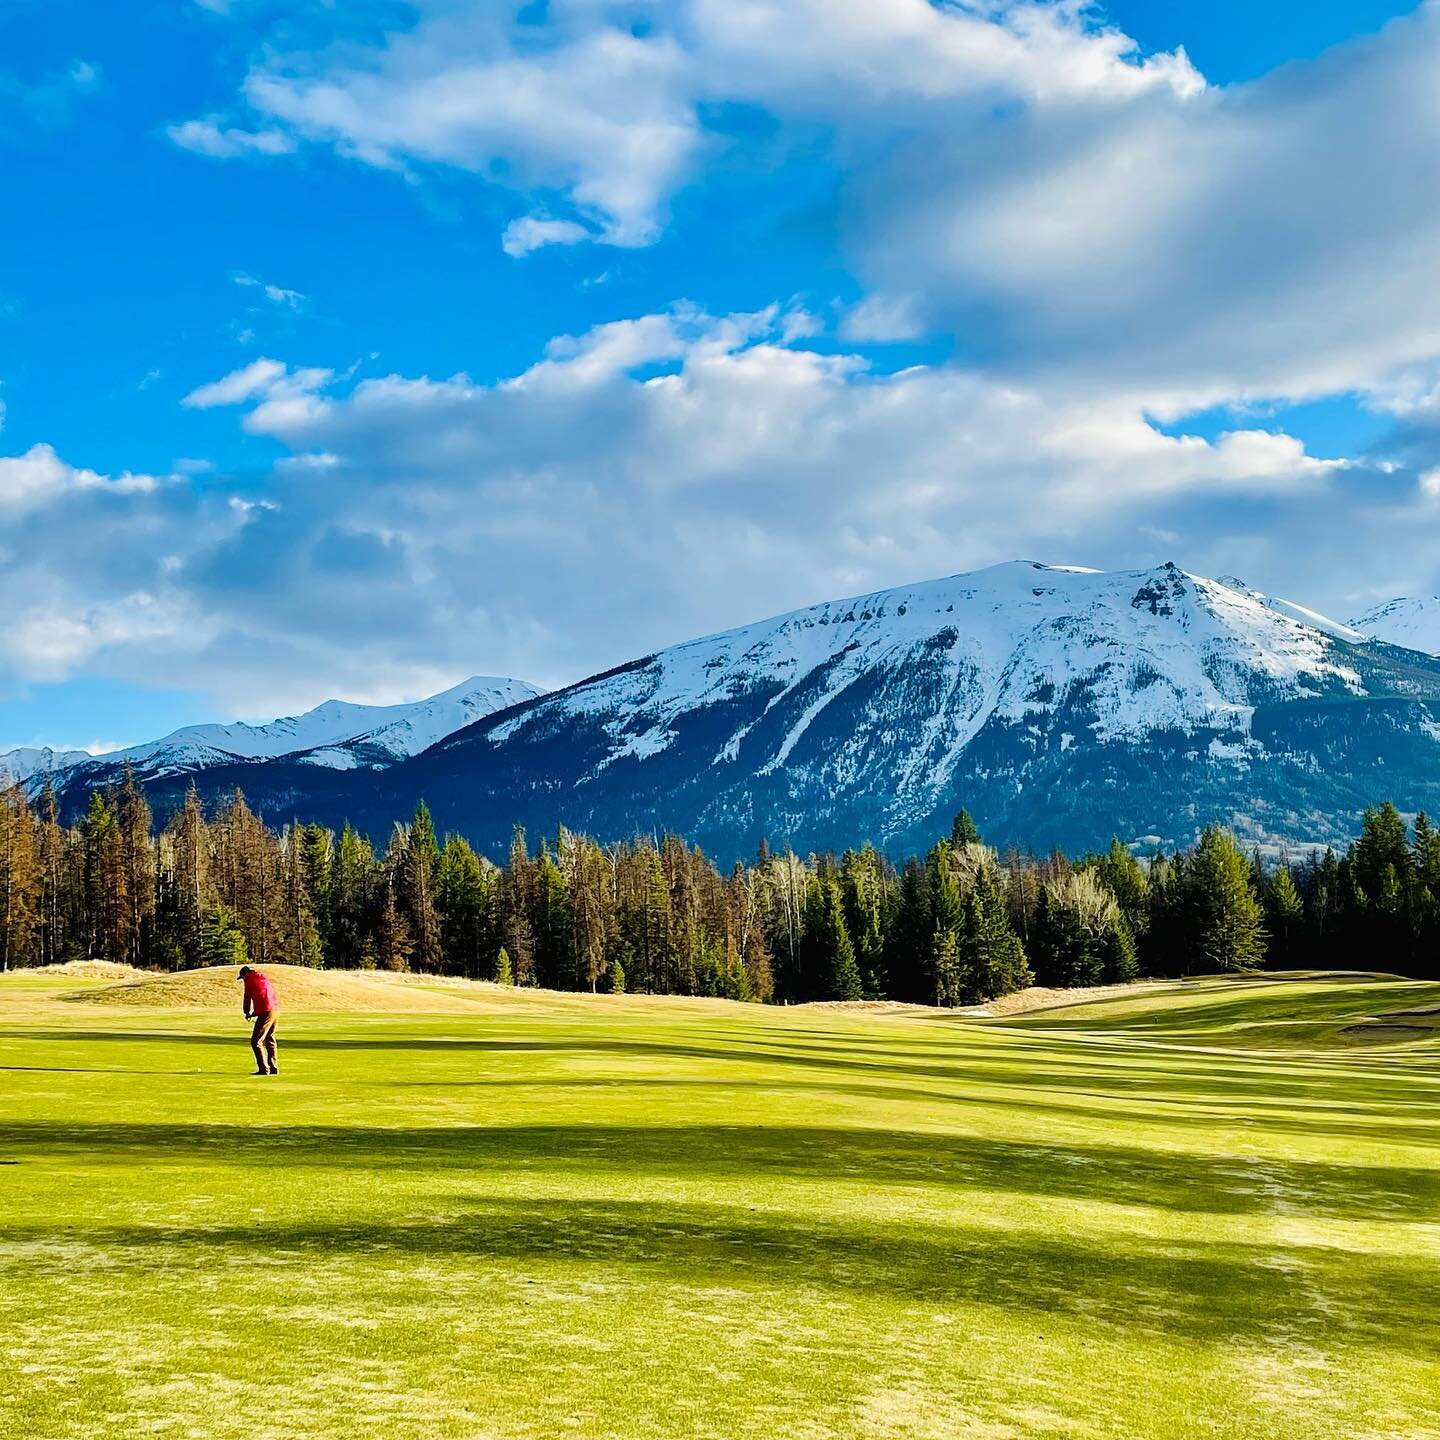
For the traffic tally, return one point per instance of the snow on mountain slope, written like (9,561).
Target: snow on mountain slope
(1296,612)
(1158,648)
(1060,701)
(1411,621)
(337,734)
(28,762)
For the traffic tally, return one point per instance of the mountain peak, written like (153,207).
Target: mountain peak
(1412,621)
(337,734)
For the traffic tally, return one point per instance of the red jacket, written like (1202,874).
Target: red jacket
(259,994)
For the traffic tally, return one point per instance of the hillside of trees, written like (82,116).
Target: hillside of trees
(960,926)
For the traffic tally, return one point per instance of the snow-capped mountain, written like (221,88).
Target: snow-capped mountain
(1296,612)
(32,760)
(1412,621)
(338,735)
(1060,705)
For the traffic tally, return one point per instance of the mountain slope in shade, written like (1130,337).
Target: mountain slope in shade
(336,735)
(1411,621)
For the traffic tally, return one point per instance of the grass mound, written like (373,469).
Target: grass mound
(1312,1009)
(95,970)
(300,989)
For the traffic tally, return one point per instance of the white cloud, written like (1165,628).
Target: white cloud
(730,470)
(1082,215)
(599,115)
(39,477)
(225,142)
(589,106)
(271,381)
(276,294)
(48,645)
(251,380)
(530,232)
(881,318)
(1271,239)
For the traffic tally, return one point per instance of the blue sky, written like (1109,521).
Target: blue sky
(353,349)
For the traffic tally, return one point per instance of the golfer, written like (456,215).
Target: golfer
(260,1006)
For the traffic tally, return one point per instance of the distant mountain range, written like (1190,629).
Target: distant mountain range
(337,735)
(1060,705)
(1413,622)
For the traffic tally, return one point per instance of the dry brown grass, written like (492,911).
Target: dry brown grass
(370,992)
(94,970)
(1038,997)
(380,992)
(300,989)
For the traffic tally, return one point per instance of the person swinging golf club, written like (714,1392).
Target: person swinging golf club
(260,1006)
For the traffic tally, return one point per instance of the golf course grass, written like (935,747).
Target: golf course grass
(1200,1209)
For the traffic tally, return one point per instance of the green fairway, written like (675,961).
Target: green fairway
(1212,1209)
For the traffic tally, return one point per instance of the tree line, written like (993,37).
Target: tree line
(959,926)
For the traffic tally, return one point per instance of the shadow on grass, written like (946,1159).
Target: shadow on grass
(1111,1174)
(1058,1067)
(1391,1123)
(1222,1292)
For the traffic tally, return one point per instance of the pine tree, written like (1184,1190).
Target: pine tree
(416,858)
(1284,918)
(963,831)
(590,890)
(950,982)
(862,881)
(353,882)
(1122,875)
(504,975)
(1381,858)
(191,893)
(991,958)
(829,955)
(1228,931)
(221,940)
(56,918)
(462,901)
(393,942)
(317,858)
(104,902)
(1426,851)
(517,899)
(20,880)
(550,926)
(908,958)
(1120,960)
(136,863)
(1081,935)
(299,929)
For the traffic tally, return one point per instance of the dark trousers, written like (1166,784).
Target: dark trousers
(262,1042)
